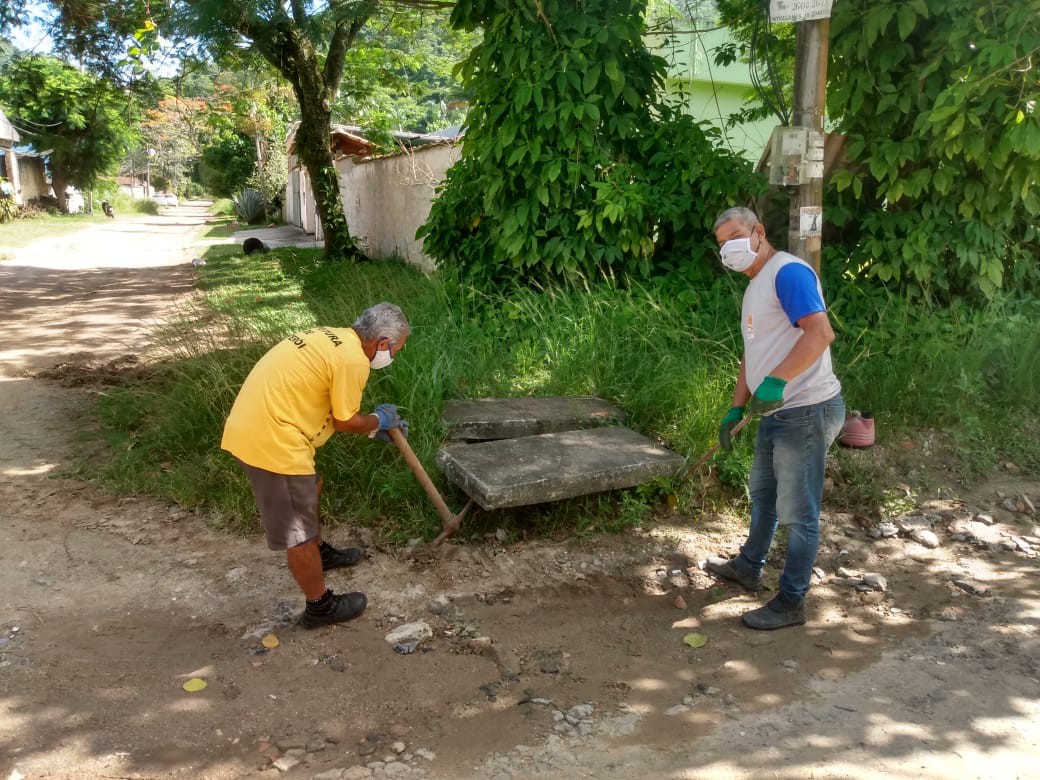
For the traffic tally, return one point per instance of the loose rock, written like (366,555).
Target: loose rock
(285,763)
(875,581)
(925,537)
(356,773)
(405,639)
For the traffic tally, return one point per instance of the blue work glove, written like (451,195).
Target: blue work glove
(388,417)
(768,396)
(733,416)
(402,426)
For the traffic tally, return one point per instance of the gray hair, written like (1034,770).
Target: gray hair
(382,321)
(745,217)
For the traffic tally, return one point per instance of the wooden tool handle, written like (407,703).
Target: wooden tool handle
(708,455)
(420,474)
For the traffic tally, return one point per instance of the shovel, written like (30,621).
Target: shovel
(450,522)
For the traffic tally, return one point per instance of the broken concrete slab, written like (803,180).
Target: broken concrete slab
(507,418)
(553,466)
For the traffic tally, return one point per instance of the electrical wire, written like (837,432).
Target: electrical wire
(771,92)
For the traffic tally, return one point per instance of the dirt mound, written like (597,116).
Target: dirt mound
(81,371)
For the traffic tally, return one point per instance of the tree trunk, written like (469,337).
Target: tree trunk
(58,184)
(283,42)
(313,144)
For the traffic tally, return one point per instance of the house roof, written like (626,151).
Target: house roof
(349,140)
(8,135)
(343,141)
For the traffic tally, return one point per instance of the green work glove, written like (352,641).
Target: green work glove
(768,396)
(733,416)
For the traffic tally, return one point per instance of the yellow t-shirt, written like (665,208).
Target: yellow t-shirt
(285,408)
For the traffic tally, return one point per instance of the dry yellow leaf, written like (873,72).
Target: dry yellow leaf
(270,641)
(194,684)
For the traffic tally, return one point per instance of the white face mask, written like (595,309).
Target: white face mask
(382,358)
(737,254)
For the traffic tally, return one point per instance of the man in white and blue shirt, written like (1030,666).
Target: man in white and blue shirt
(786,376)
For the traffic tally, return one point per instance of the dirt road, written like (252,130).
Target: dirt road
(547,660)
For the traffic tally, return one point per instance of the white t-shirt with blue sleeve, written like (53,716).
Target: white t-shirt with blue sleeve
(784,291)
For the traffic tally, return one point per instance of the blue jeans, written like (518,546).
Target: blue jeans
(786,487)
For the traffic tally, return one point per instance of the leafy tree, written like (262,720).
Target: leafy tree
(176,130)
(307,45)
(572,164)
(225,167)
(261,107)
(113,40)
(399,75)
(84,123)
(937,100)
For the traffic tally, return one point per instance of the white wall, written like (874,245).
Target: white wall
(386,199)
(32,180)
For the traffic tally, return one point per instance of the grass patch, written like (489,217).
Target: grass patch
(221,226)
(669,365)
(22,232)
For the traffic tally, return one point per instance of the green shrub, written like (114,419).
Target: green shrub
(573,165)
(250,206)
(145,206)
(223,206)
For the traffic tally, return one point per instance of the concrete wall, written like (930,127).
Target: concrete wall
(32,180)
(385,199)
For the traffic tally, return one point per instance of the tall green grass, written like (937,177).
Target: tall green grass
(669,362)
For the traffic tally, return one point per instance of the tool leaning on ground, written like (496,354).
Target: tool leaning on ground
(450,522)
(711,453)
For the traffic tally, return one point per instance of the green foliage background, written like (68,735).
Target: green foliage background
(85,123)
(938,99)
(938,103)
(573,167)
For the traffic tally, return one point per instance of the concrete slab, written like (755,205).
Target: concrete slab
(508,418)
(552,466)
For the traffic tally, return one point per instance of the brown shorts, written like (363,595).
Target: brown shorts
(288,505)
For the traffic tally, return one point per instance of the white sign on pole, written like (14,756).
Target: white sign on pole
(799,10)
(810,223)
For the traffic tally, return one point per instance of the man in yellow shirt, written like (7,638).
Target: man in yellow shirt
(305,388)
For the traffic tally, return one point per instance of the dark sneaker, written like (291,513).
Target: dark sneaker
(775,614)
(728,570)
(337,558)
(343,607)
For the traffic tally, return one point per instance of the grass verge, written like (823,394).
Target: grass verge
(670,366)
(22,232)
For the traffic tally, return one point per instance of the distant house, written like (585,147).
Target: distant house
(8,162)
(711,93)
(135,186)
(386,198)
(21,166)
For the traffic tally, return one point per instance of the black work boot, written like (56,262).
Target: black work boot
(332,608)
(337,558)
(729,570)
(779,612)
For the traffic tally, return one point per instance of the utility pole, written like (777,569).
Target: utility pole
(810,98)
